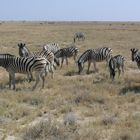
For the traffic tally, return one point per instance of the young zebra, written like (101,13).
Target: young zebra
(78,35)
(116,62)
(23,50)
(25,65)
(53,47)
(65,53)
(135,56)
(93,56)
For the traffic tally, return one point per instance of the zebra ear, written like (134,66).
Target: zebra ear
(23,44)
(18,44)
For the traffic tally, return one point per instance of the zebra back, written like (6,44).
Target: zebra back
(22,64)
(44,53)
(67,52)
(101,54)
(53,47)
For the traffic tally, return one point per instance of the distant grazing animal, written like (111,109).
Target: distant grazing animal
(79,36)
(53,47)
(25,65)
(23,50)
(116,62)
(65,53)
(135,54)
(93,56)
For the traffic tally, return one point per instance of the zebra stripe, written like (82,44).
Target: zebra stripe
(116,62)
(93,56)
(86,56)
(65,53)
(135,54)
(23,50)
(48,55)
(25,65)
(53,47)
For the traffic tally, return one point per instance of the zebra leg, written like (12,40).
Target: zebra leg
(119,72)
(10,81)
(74,57)
(107,64)
(62,60)
(122,68)
(13,80)
(66,61)
(138,64)
(52,71)
(89,63)
(94,64)
(46,70)
(42,75)
(30,77)
(37,80)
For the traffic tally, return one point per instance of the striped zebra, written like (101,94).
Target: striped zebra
(65,53)
(116,62)
(135,54)
(25,65)
(49,56)
(79,35)
(23,50)
(53,47)
(93,56)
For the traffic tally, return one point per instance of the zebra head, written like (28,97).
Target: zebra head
(134,53)
(23,51)
(57,61)
(44,48)
(80,66)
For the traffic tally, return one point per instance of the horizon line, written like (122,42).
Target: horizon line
(69,20)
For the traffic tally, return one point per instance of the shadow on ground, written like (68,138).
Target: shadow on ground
(134,89)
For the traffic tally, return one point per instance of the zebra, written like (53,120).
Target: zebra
(53,47)
(93,56)
(25,65)
(135,54)
(116,62)
(79,35)
(65,53)
(86,56)
(49,56)
(23,50)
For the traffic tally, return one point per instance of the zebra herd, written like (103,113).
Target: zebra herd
(47,59)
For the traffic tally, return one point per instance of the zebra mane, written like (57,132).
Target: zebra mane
(134,50)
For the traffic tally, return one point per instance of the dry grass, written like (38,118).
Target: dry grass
(86,106)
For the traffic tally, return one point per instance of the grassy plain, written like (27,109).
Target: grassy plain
(71,106)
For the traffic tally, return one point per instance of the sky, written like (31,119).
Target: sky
(70,10)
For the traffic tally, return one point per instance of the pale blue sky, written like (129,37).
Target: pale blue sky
(71,10)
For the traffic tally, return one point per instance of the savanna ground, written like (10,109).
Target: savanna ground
(71,106)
